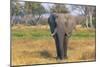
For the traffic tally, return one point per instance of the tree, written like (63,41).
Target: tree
(59,8)
(35,9)
(15,7)
(16,12)
(88,12)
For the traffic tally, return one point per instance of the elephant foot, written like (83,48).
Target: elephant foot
(65,56)
(60,58)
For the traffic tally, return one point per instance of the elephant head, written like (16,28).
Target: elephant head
(65,23)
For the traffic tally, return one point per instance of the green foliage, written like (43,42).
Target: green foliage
(59,8)
(15,7)
(34,8)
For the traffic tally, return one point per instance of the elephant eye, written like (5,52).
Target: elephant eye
(56,16)
(66,23)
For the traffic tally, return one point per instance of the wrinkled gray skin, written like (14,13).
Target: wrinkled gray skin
(64,24)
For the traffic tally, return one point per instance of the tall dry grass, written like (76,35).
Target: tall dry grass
(27,51)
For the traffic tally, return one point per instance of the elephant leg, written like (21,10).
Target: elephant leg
(57,45)
(65,46)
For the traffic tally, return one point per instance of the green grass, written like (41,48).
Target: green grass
(84,35)
(33,33)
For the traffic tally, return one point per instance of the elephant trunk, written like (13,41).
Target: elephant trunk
(61,42)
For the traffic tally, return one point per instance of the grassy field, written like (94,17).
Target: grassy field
(34,45)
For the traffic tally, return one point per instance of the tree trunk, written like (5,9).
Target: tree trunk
(87,21)
(91,23)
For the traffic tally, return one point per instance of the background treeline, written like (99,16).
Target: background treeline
(32,13)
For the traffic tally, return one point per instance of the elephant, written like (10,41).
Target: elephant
(61,26)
